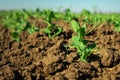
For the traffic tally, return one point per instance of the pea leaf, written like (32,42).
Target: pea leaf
(75,26)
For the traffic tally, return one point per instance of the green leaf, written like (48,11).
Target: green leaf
(47,30)
(75,41)
(75,26)
(82,31)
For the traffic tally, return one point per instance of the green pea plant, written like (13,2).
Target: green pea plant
(78,41)
(51,30)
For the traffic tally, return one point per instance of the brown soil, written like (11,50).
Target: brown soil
(36,57)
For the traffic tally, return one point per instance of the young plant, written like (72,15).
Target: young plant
(78,41)
(52,30)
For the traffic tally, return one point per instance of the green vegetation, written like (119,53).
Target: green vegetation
(18,21)
(115,21)
(79,42)
(51,30)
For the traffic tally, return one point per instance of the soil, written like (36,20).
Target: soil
(36,57)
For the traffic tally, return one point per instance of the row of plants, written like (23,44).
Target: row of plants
(17,22)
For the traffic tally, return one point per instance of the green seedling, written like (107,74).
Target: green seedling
(52,30)
(78,41)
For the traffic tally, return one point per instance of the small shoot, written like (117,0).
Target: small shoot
(78,41)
